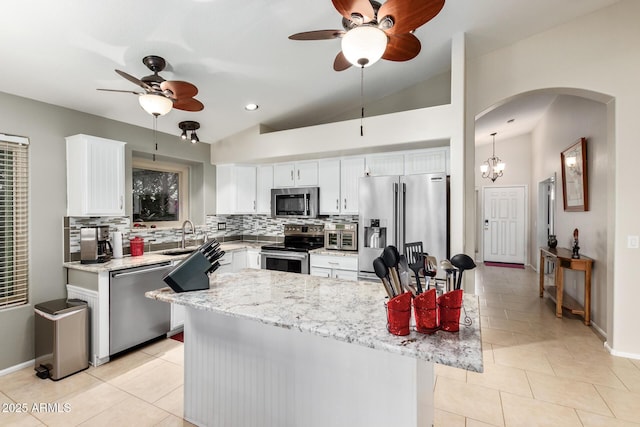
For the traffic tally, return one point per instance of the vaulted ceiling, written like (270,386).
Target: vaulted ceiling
(235,52)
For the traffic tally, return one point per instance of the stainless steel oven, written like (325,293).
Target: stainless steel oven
(290,261)
(293,255)
(342,237)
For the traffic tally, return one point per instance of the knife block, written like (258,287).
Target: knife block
(191,273)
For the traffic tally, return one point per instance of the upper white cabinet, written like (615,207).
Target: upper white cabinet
(386,164)
(427,161)
(236,189)
(299,174)
(351,170)
(264,186)
(329,183)
(95,176)
(246,189)
(338,181)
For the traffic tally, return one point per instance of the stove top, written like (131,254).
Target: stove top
(299,238)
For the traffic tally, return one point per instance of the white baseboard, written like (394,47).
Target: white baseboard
(12,369)
(621,353)
(602,333)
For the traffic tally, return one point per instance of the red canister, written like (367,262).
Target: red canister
(137,246)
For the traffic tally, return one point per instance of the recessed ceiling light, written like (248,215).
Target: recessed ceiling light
(251,107)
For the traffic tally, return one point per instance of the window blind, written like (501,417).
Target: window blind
(14,217)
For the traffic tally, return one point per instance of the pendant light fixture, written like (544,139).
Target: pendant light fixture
(189,126)
(493,167)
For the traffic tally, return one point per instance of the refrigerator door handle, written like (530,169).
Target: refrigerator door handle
(404,217)
(396,207)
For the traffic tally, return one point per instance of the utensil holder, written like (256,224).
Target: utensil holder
(450,305)
(425,310)
(136,246)
(398,314)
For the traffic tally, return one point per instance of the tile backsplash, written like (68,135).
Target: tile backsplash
(237,227)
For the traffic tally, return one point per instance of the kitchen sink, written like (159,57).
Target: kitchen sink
(178,251)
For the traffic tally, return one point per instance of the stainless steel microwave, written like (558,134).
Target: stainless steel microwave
(299,202)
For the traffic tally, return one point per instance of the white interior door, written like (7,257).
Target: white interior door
(504,224)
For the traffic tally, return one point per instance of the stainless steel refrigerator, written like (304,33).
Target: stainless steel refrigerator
(395,210)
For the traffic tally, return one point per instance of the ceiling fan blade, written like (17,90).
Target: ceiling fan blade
(362,7)
(188,104)
(317,35)
(341,63)
(124,91)
(134,80)
(402,47)
(408,15)
(179,89)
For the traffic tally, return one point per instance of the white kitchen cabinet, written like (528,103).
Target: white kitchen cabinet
(177,317)
(385,164)
(95,176)
(351,170)
(263,189)
(334,266)
(298,174)
(329,183)
(226,263)
(245,180)
(238,260)
(253,258)
(427,161)
(338,181)
(235,189)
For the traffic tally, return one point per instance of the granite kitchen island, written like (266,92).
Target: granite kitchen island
(267,348)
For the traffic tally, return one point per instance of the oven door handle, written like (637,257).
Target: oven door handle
(285,255)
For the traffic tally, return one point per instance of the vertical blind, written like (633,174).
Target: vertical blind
(14,204)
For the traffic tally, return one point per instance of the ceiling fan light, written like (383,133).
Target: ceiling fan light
(183,135)
(156,105)
(363,46)
(194,138)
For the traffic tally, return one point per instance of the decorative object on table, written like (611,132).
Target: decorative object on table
(462,262)
(576,248)
(575,192)
(552,241)
(493,167)
(399,314)
(192,273)
(449,305)
(425,310)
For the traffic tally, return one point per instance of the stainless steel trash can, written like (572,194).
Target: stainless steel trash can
(61,338)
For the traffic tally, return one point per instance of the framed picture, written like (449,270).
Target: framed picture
(575,192)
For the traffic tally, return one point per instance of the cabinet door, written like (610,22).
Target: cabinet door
(345,274)
(245,186)
(350,172)
(283,175)
(329,183)
(263,189)
(239,260)
(306,174)
(428,161)
(253,258)
(95,176)
(388,164)
(320,272)
(225,190)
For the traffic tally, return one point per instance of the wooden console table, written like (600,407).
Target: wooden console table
(561,258)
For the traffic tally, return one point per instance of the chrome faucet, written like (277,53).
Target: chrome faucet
(193,231)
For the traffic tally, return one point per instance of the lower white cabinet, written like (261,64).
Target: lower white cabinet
(334,266)
(253,258)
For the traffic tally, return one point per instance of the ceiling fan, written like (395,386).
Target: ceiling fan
(161,95)
(388,26)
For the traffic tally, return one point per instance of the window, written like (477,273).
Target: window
(14,217)
(160,193)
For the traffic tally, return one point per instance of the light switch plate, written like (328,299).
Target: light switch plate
(633,242)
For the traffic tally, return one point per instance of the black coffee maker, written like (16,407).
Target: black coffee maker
(94,245)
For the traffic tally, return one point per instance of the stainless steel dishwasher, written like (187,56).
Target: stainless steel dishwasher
(133,318)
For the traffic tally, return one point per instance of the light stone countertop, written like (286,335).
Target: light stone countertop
(348,311)
(150,258)
(334,252)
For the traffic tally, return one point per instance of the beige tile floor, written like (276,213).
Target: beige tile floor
(539,371)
